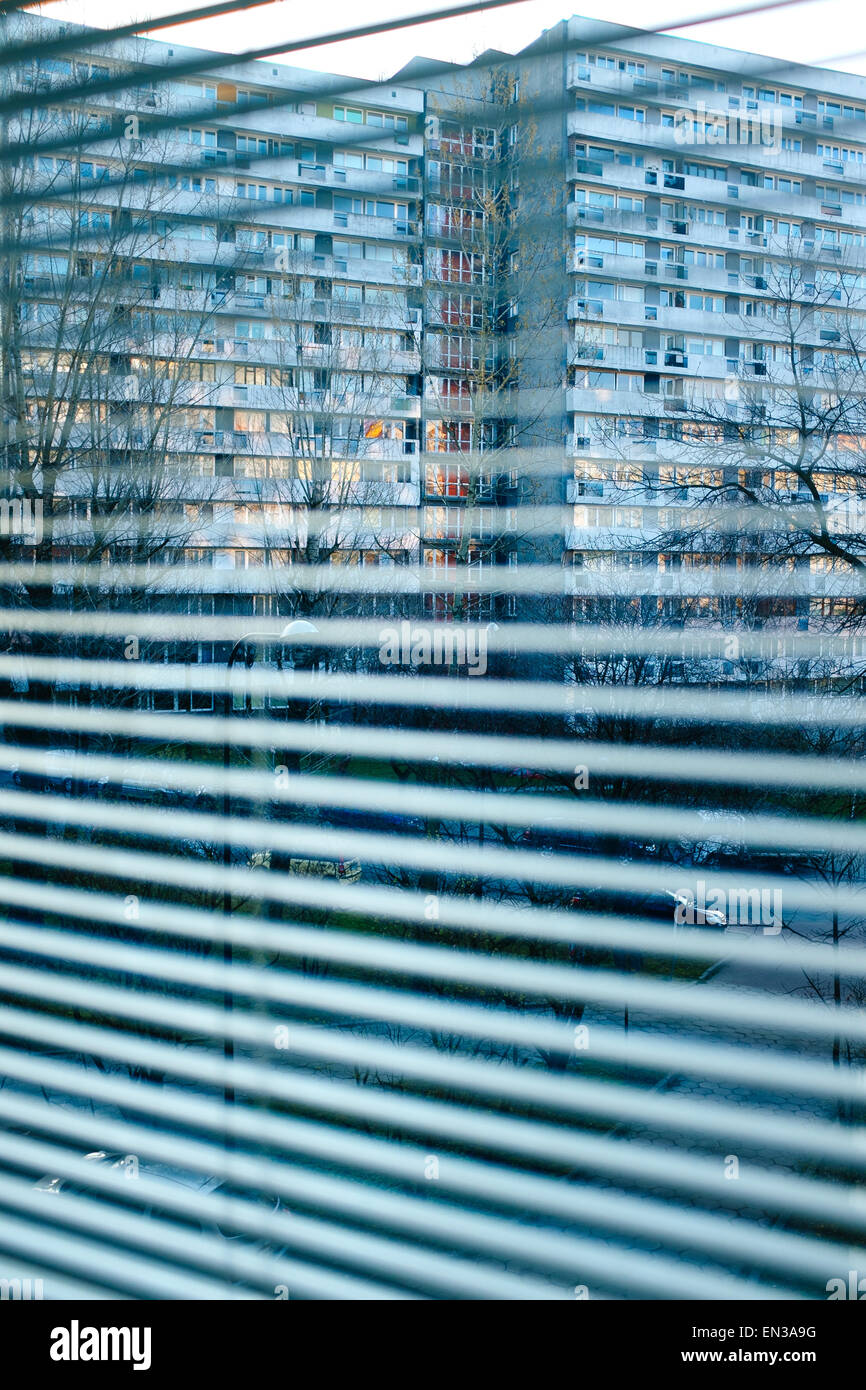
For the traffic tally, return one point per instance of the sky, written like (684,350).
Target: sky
(823,32)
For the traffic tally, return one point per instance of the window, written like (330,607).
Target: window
(612,64)
(678,299)
(349,250)
(837,196)
(469,142)
(704,171)
(206,138)
(594,107)
(782,228)
(449,438)
(841,154)
(362,159)
(830,109)
(355,116)
(453,392)
(694,79)
(250,421)
(251,144)
(193,231)
(773,97)
(94,221)
(713,259)
(783,185)
(588,247)
(371,207)
(444,481)
(460,352)
(196,90)
(387,119)
(594,198)
(460,311)
(250,238)
(830,235)
(460,266)
(712,217)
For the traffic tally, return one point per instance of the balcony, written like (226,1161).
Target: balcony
(579,215)
(585,309)
(588,352)
(589,166)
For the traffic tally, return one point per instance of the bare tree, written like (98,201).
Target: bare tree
(330,465)
(771,461)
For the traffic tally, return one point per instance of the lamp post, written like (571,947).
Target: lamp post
(290,633)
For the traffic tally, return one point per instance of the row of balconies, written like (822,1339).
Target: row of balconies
(632,267)
(591,400)
(682,320)
(168,295)
(327,311)
(790,118)
(346,531)
(182,484)
(633,314)
(273,351)
(707,235)
(267,120)
(738,113)
(175,246)
(120,435)
(603,445)
(698,365)
(274,397)
(743,197)
(283,310)
(326,131)
(591,492)
(227,165)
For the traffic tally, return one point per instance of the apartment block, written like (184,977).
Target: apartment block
(215,313)
(716,314)
(599,303)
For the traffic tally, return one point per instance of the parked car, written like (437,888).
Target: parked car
(348,869)
(57,778)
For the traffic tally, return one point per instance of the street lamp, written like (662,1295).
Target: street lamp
(291,632)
